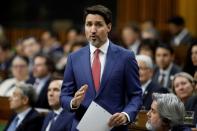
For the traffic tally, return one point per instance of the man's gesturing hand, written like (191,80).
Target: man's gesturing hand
(79,96)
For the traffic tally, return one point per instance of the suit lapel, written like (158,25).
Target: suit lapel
(109,64)
(86,67)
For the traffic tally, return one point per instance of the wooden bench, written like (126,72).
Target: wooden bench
(5,111)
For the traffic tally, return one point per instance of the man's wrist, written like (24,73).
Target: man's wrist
(73,106)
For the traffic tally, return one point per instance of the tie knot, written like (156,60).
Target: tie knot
(97,51)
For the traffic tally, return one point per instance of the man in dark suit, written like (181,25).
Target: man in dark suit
(102,72)
(165,68)
(42,71)
(25,118)
(180,34)
(148,85)
(58,119)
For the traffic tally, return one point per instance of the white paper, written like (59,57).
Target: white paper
(96,118)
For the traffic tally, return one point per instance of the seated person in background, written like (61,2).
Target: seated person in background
(20,74)
(26,118)
(179,32)
(57,115)
(183,86)
(166,114)
(165,67)
(148,86)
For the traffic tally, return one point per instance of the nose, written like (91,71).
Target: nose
(93,29)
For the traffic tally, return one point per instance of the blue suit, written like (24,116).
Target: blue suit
(62,123)
(120,86)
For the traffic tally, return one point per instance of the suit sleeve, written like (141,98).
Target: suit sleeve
(132,86)
(68,87)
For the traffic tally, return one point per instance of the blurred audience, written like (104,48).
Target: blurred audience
(6,56)
(165,68)
(20,73)
(180,34)
(31,47)
(191,60)
(131,37)
(51,46)
(57,115)
(166,114)
(42,71)
(26,118)
(148,86)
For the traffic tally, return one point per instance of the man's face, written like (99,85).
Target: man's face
(144,71)
(154,121)
(19,69)
(40,69)
(163,58)
(174,29)
(96,30)
(129,36)
(54,94)
(17,100)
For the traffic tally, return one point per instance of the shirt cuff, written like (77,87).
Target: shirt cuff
(73,108)
(128,118)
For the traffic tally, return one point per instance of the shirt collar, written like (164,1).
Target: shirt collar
(103,48)
(58,111)
(144,86)
(167,71)
(22,115)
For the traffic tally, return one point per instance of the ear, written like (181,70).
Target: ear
(25,100)
(109,27)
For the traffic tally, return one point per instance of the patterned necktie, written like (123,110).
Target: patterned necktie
(13,125)
(96,69)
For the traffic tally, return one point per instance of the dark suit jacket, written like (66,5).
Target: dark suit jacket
(120,86)
(181,128)
(42,101)
(32,122)
(175,69)
(147,96)
(187,39)
(62,122)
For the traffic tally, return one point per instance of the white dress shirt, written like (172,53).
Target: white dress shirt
(22,115)
(58,112)
(180,36)
(102,55)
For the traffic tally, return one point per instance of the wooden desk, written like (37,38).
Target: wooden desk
(5,111)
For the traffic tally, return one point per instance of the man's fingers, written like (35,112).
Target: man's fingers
(117,119)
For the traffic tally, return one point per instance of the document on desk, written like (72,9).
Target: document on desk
(95,118)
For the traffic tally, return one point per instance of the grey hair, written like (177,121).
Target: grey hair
(170,108)
(147,59)
(185,75)
(28,91)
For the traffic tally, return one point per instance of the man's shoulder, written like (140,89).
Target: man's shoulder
(120,49)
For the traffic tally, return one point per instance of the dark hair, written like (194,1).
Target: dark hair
(166,46)
(177,20)
(134,26)
(24,58)
(100,10)
(5,45)
(48,62)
